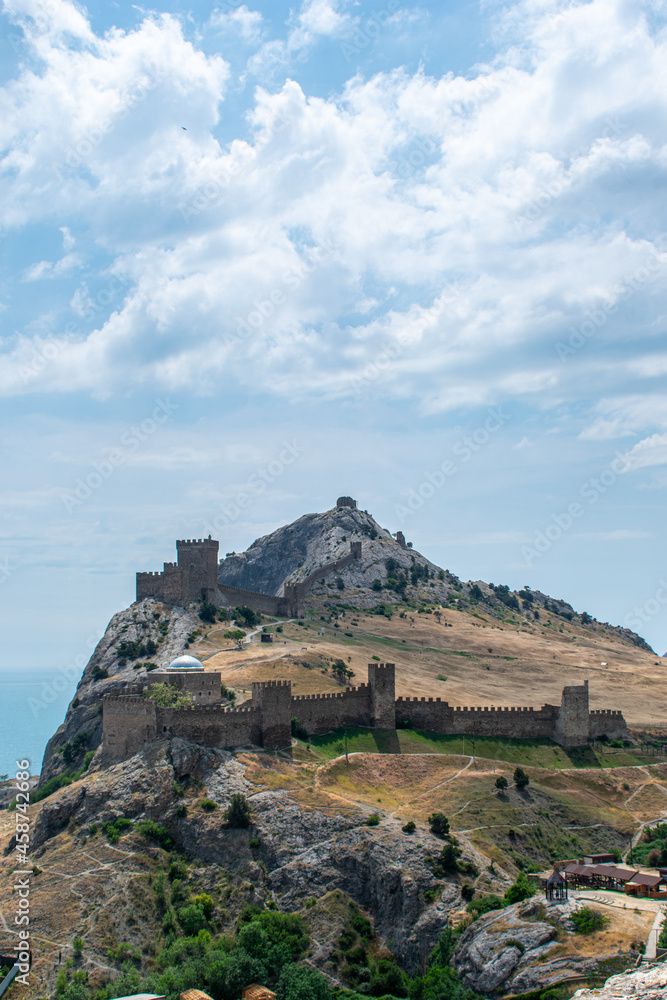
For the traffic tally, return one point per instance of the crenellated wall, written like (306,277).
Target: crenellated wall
(317,713)
(132,720)
(438,716)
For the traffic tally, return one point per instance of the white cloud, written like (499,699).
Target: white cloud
(650,451)
(453,230)
(247,23)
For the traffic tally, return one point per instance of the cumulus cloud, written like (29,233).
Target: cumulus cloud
(431,238)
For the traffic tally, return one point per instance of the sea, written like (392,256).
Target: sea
(32,706)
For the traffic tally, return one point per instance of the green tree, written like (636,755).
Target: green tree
(448,860)
(207,612)
(237,812)
(521,779)
(501,783)
(168,696)
(192,919)
(520,890)
(298,982)
(439,824)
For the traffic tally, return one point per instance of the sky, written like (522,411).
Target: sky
(255,256)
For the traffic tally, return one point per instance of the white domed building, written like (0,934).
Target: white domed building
(186,662)
(189,675)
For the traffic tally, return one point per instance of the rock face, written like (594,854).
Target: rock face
(293,552)
(146,622)
(644,984)
(507,951)
(301,854)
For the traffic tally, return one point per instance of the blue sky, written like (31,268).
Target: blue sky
(414,253)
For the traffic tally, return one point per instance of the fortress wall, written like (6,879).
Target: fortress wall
(268,603)
(436,716)
(212,726)
(128,723)
(168,586)
(607,723)
(320,712)
(204,686)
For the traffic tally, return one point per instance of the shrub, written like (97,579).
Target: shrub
(181,810)
(248,616)
(208,805)
(409,827)
(521,779)
(192,919)
(254,843)
(123,952)
(520,890)
(588,921)
(448,860)
(150,830)
(439,824)
(78,944)
(207,612)
(484,904)
(373,820)
(205,902)
(237,813)
(298,982)
(467,892)
(168,696)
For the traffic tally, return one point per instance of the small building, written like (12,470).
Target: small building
(195,995)
(556,887)
(266,636)
(597,859)
(144,996)
(255,992)
(651,886)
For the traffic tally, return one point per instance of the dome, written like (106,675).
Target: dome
(185,662)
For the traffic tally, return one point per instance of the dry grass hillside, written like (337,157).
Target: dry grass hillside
(467,657)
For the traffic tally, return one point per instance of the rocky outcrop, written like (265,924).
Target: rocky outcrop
(644,984)
(507,951)
(302,853)
(293,552)
(148,621)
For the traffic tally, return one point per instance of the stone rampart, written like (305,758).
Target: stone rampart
(434,715)
(129,722)
(132,720)
(318,713)
(604,722)
(211,725)
(203,686)
(268,603)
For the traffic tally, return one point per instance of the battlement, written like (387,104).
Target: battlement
(605,711)
(271,684)
(184,543)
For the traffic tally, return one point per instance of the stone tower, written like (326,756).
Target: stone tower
(382,683)
(274,701)
(198,559)
(572,727)
(346,502)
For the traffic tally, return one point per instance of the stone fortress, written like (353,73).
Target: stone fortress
(194,577)
(131,720)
